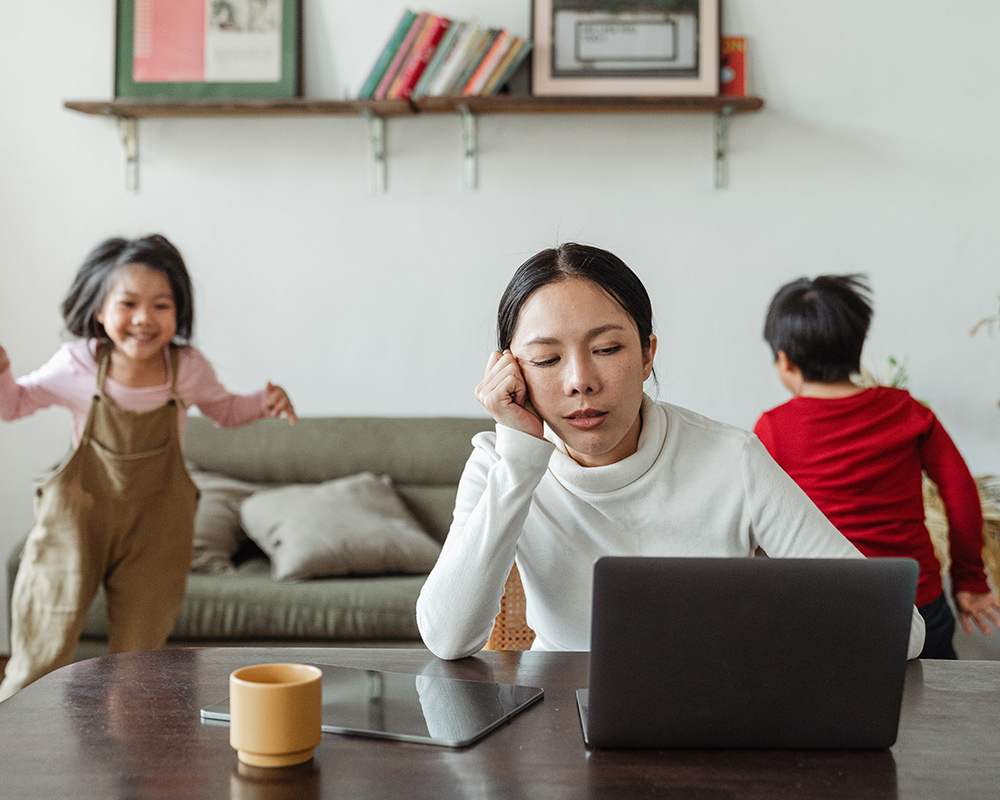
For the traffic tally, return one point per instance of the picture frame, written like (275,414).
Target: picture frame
(208,49)
(625,47)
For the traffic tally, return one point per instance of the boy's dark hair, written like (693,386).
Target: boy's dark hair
(575,261)
(821,325)
(96,276)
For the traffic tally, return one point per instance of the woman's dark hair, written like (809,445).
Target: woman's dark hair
(821,325)
(575,261)
(95,278)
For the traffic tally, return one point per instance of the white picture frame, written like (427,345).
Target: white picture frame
(642,48)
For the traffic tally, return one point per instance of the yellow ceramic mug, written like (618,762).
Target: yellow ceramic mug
(275,713)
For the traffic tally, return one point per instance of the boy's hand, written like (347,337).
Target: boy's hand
(504,393)
(4,360)
(978,608)
(277,403)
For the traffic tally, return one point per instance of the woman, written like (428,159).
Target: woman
(583,464)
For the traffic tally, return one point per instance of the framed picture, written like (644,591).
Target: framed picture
(625,47)
(218,49)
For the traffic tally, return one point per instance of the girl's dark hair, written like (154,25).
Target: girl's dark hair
(95,278)
(821,325)
(575,261)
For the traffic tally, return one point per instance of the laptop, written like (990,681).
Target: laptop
(763,653)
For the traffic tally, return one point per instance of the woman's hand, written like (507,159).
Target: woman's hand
(4,360)
(979,608)
(276,403)
(504,393)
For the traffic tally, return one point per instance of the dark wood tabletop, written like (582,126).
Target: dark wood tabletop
(128,726)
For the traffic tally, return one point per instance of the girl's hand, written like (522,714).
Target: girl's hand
(504,393)
(979,608)
(277,403)
(4,360)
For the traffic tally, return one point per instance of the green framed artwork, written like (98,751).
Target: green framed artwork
(208,49)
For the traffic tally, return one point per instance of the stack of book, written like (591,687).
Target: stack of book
(432,55)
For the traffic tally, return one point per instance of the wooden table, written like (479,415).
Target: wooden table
(128,726)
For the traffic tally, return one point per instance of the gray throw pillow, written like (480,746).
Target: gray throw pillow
(353,525)
(217,531)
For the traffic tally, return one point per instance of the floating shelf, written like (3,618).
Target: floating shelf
(128,112)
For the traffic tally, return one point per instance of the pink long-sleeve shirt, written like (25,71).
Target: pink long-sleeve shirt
(68,379)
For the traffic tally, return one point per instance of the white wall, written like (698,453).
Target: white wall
(876,151)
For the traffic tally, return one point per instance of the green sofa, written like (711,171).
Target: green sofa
(424,458)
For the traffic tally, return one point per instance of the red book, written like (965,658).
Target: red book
(401,54)
(733,67)
(423,52)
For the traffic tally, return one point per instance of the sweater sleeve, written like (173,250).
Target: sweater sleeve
(461,597)
(199,386)
(61,381)
(787,524)
(945,466)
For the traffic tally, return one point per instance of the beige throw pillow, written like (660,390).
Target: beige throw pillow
(217,531)
(350,525)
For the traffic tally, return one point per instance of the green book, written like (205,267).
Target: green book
(373,79)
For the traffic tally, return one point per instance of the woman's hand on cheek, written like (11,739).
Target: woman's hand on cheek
(504,393)
(277,403)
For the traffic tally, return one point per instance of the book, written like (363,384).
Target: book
(488,64)
(518,51)
(423,50)
(475,55)
(449,70)
(444,48)
(733,66)
(404,50)
(385,57)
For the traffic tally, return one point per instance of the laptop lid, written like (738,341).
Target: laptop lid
(747,652)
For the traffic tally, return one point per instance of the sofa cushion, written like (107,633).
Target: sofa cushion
(353,525)
(247,606)
(217,530)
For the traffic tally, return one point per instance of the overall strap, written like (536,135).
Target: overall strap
(103,358)
(174,361)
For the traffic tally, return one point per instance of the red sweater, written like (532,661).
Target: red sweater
(859,459)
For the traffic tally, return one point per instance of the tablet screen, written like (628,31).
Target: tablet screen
(414,708)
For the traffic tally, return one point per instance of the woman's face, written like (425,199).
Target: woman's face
(584,366)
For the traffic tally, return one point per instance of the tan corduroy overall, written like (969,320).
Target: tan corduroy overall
(118,512)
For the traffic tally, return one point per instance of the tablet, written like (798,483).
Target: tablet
(451,712)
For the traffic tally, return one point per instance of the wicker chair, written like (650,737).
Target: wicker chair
(937,524)
(510,630)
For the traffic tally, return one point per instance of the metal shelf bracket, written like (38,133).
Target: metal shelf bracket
(721,143)
(128,127)
(376,131)
(470,150)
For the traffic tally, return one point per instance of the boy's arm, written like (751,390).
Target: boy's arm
(945,466)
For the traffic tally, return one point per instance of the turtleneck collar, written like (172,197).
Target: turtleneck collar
(610,478)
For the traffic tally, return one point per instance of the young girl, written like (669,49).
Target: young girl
(859,453)
(119,512)
(583,464)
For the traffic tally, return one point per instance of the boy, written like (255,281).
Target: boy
(859,453)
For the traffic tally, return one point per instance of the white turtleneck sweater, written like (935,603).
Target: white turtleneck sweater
(694,487)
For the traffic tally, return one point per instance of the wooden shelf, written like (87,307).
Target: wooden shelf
(491,104)
(127,113)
